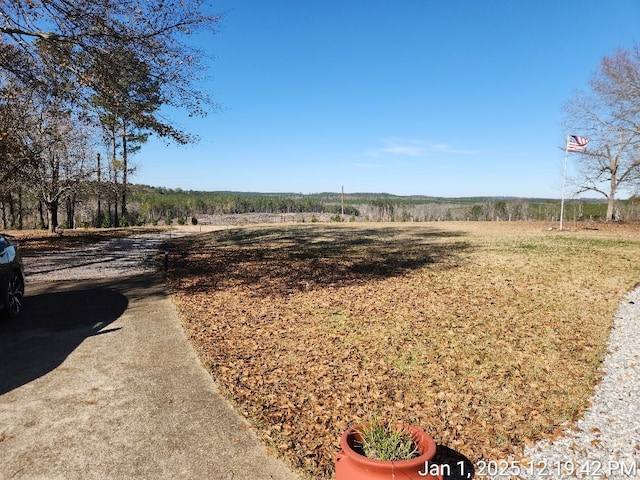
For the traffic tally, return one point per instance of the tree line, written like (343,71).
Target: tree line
(158,206)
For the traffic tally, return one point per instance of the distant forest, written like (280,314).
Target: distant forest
(160,206)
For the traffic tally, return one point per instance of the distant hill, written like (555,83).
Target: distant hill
(156,204)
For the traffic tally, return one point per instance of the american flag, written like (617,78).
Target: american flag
(576,143)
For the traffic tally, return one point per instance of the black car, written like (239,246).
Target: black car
(11,279)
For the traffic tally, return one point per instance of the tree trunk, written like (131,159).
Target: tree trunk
(98,222)
(52,208)
(115,199)
(41,215)
(123,212)
(4,216)
(610,205)
(115,183)
(70,203)
(613,186)
(20,212)
(12,212)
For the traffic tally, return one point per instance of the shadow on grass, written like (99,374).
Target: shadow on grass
(277,261)
(453,464)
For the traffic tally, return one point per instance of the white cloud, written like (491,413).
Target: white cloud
(401,146)
(413,148)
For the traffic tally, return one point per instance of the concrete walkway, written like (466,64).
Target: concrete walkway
(97,381)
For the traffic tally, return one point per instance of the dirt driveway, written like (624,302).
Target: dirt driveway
(97,380)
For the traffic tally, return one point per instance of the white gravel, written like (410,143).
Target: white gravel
(112,258)
(605,442)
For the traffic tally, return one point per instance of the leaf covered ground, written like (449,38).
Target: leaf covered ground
(486,335)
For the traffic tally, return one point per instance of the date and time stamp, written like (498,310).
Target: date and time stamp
(512,469)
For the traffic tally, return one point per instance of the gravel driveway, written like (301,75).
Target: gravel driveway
(112,258)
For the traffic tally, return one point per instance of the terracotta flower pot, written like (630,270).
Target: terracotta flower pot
(350,464)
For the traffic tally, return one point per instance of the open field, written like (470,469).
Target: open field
(487,335)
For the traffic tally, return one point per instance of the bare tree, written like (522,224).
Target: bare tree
(65,161)
(608,114)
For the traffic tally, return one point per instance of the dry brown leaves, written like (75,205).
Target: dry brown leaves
(488,336)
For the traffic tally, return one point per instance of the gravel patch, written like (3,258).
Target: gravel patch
(605,442)
(112,258)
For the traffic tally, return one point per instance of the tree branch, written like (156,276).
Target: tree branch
(27,33)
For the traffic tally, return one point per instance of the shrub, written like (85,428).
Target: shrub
(386,440)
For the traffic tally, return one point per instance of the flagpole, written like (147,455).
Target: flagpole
(564,180)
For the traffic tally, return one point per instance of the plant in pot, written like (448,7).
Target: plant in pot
(386,450)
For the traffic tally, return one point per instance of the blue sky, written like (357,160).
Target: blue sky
(411,97)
